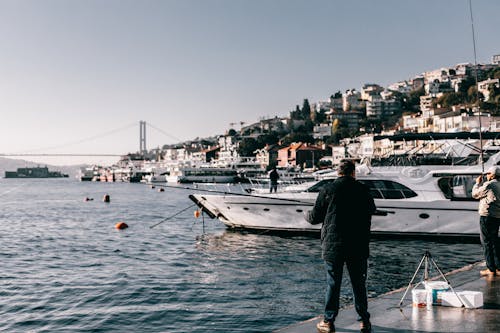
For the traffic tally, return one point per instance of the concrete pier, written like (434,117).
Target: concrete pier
(387,316)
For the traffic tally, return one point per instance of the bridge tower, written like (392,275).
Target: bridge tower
(142,138)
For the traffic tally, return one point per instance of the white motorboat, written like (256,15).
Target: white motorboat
(203,175)
(408,202)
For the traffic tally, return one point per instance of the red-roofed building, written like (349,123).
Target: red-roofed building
(300,154)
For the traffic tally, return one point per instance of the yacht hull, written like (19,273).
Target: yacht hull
(394,217)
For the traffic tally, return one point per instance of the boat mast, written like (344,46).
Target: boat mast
(477,90)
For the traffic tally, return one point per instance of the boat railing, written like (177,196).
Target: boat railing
(222,187)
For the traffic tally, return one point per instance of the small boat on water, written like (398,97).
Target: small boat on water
(35,172)
(417,201)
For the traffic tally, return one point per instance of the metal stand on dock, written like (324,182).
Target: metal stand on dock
(426,261)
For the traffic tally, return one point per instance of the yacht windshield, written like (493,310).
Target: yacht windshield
(379,188)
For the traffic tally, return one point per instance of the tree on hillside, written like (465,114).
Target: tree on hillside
(320,117)
(338,94)
(247,147)
(306,109)
(297,137)
(449,99)
(414,98)
(267,139)
(465,85)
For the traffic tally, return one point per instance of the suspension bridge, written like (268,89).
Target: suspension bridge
(42,152)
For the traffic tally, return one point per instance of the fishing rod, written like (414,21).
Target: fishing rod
(477,88)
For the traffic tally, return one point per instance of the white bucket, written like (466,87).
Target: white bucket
(435,288)
(419,298)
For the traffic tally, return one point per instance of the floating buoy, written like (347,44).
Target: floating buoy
(106,198)
(121,225)
(88,199)
(161,189)
(196,213)
(152,186)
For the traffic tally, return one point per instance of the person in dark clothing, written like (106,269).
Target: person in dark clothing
(273,177)
(345,207)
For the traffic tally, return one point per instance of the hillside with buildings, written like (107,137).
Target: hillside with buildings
(319,133)
(444,100)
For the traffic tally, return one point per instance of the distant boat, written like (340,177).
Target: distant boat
(35,172)
(203,175)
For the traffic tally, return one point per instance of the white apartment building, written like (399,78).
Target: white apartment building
(484,87)
(410,122)
(376,106)
(426,104)
(440,75)
(370,89)
(403,87)
(322,130)
(495,59)
(351,100)
(323,105)
(462,122)
(336,103)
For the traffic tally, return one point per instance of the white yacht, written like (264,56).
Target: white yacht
(203,175)
(410,200)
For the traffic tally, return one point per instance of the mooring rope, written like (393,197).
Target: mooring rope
(171,216)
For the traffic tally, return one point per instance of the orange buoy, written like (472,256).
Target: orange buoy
(106,198)
(161,189)
(121,225)
(196,213)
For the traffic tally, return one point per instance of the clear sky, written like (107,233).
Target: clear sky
(78,76)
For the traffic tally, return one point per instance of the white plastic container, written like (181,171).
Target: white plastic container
(419,298)
(471,299)
(436,288)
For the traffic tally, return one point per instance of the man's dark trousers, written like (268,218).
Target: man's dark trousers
(489,238)
(357,268)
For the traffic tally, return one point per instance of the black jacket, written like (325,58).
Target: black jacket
(345,208)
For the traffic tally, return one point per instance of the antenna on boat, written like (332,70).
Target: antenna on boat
(477,90)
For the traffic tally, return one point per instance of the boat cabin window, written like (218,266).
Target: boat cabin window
(379,189)
(319,185)
(388,189)
(457,187)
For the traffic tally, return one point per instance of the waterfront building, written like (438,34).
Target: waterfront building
(268,155)
(299,154)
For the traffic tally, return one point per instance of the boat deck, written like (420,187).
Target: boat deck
(386,316)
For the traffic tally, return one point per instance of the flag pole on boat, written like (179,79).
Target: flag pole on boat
(477,90)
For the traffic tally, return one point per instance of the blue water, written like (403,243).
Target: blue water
(65,268)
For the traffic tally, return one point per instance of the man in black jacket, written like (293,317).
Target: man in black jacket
(345,208)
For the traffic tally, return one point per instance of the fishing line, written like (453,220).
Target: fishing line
(171,216)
